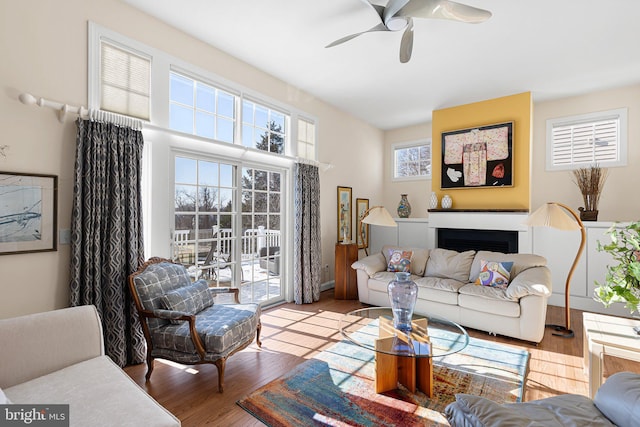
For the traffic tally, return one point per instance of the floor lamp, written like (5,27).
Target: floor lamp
(376,215)
(552,215)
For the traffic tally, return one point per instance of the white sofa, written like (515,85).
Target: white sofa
(446,289)
(58,357)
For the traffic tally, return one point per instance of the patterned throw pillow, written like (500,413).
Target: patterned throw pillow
(495,274)
(189,299)
(399,260)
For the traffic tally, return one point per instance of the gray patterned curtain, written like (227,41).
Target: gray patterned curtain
(106,232)
(306,253)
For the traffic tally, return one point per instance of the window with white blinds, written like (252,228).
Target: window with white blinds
(579,141)
(125,79)
(306,139)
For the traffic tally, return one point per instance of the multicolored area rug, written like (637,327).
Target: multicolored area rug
(336,388)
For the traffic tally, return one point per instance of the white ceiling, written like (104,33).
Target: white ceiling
(553,48)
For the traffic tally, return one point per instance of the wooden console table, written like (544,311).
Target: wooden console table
(346,282)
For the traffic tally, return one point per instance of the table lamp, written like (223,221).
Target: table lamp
(376,215)
(551,214)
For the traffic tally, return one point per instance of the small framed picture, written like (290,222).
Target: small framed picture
(362,206)
(28,213)
(344,215)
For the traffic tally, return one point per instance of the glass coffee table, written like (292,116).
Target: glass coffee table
(403,357)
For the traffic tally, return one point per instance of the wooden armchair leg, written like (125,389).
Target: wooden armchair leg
(258,329)
(220,363)
(150,363)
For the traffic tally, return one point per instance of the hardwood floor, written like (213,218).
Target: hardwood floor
(292,333)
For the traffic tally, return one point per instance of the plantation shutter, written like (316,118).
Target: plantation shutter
(125,82)
(586,142)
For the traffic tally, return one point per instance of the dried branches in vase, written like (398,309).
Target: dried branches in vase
(590,181)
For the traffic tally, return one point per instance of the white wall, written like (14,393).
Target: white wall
(618,201)
(44,45)
(417,191)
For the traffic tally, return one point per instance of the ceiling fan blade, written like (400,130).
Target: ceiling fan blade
(444,9)
(379,27)
(379,9)
(406,45)
(392,8)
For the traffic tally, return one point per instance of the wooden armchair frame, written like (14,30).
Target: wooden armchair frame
(145,314)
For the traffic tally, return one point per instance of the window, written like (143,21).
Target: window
(306,139)
(201,109)
(412,160)
(124,81)
(579,141)
(263,128)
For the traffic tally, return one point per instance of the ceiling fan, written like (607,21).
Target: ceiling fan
(398,15)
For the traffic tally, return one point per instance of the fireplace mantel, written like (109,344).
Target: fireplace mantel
(481,219)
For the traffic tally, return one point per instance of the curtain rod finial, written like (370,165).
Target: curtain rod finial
(27,98)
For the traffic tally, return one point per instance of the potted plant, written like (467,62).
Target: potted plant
(590,182)
(622,282)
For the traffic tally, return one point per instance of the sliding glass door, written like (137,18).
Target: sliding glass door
(227,226)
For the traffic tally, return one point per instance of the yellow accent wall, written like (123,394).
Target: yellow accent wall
(515,108)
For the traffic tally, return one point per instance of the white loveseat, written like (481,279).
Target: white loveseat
(58,357)
(446,289)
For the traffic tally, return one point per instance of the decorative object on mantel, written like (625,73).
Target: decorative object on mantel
(403,294)
(404,207)
(551,215)
(622,282)
(433,200)
(446,202)
(377,215)
(590,182)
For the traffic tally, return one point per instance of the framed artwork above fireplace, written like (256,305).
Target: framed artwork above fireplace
(478,157)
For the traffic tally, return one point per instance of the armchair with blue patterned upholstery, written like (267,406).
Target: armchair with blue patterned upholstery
(182,322)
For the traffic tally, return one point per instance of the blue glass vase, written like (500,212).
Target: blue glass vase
(403,293)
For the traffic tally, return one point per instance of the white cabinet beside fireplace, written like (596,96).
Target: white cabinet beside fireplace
(560,248)
(410,232)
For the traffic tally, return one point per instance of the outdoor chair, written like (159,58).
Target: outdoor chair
(182,322)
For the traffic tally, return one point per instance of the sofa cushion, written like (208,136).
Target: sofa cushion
(380,281)
(418,259)
(189,299)
(98,392)
(399,261)
(557,411)
(440,283)
(494,274)
(449,264)
(483,304)
(221,327)
(521,262)
(619,399)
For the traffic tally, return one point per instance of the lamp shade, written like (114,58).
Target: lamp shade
(378,215)
(552,215)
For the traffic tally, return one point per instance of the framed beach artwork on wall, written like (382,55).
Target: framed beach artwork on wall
(344,214)
(478,157)
(28,212)
(362,206)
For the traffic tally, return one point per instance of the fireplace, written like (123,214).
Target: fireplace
(461,239)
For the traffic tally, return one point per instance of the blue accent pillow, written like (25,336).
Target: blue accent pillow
(189,299)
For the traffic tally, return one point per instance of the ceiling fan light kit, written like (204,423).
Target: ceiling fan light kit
(398,15)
